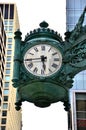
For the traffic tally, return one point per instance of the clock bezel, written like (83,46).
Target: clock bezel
(35,42)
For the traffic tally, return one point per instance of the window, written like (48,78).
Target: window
(9,46)
(9,52)
(6,84)
(6,22)
(3,121)
(9,34)
(6,92)
(11,11)
(5,98)
(7,78)
(10,22)
(7,71)
(6,28)
(3,127)
(8,64)
(4,113)
(10,28)
(5,105)
(6,11)
(9,40)
(8,58)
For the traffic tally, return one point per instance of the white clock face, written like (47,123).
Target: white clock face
(43,60)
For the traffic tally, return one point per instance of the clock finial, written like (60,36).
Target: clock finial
(44,24)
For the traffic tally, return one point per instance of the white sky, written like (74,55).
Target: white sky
(31,13)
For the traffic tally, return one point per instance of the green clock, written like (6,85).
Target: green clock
(43,60)
(42,74)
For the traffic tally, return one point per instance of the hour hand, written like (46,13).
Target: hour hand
(43,60)
(44,66)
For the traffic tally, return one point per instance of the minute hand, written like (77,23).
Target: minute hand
(32,59)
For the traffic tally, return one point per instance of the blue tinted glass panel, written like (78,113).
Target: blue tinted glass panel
(9,52)
(77,4)
(8,65)
(9,34)
(10,28)
(10,22)
(80,81)
(6,28)
(11,11)
(9,40)
(83,3)
(6,85)
(5,105)
(6,11)
(70,27)
(84,80)
(6,22)
(7,71)
(7,78)
(9,46)
(8,58)
(6,92)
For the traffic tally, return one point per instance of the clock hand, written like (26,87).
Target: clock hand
(32,59)
(43,60)
(44,66)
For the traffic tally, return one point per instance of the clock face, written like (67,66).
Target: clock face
(42,60)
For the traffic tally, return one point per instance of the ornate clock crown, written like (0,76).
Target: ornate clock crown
(43,31)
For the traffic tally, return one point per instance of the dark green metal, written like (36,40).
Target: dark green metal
(43,91)
(17,56)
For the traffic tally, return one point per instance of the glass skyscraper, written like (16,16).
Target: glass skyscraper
(74,9)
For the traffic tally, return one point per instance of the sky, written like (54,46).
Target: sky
(31,13)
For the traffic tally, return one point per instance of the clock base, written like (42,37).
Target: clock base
(42,94)
(42,103)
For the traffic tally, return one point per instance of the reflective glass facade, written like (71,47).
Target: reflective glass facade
(74,9)
(80,81)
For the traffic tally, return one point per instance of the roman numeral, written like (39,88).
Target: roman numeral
(36,49)
(30,53)
(54,65)
(35,70)
(54,53)
(49,49)
(56,59)
(43,48)
(50,70)
(30,65)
